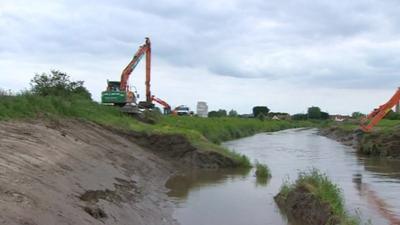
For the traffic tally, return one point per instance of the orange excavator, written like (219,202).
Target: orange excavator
(119,93)
(377,115)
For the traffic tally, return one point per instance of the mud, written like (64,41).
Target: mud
(302,207)
(177,149)
(377,143)
(75,172)
(345,137)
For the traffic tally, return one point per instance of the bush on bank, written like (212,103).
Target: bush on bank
(322,190)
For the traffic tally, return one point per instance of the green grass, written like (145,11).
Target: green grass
(381,141)
(384,125)
(324,189)
(218,130)
(262,171)
(204,133)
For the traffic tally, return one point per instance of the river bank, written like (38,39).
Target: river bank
(368,187)
(74,172)
(70,171)
(383,141)
(202,133)
(70,160)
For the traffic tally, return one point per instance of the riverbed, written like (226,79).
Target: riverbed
(370,186)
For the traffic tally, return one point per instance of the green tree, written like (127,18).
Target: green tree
(357,115)
(57,83)
(391,115)
(213,114)
(314,112)
(261,116)
(324,115)
(219,113)
(222,112)
(260,109)
(233,113)
(299,116)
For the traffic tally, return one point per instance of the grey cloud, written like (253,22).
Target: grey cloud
(270,39)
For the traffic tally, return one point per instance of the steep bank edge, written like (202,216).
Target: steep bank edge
(74,172)
(377,143)
(302,206)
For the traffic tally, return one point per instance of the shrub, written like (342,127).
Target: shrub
(391,115)
(233,113)
(57,83)
(262,170)
(321,186)
(324,115)
(261,116)
(314,112)
(357,115)
(219,113)
(299,116)
(260,109)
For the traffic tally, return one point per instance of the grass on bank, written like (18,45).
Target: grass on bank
(384,125)
(262,171)
(205,133)
(324,189)
(222,129)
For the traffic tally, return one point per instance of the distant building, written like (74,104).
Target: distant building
(339,118)
(397,110)
(202,109)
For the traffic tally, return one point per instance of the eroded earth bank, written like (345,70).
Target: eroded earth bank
(75,172)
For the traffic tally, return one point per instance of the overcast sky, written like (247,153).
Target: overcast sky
(342,55)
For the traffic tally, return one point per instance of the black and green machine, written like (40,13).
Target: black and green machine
(119,93)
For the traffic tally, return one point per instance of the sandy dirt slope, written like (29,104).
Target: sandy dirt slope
(73,172)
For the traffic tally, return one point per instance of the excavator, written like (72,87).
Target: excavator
(377,114)
(119,93)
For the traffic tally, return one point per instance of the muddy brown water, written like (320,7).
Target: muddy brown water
(370,187)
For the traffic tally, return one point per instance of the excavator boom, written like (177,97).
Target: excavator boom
(144,49)
(377,115)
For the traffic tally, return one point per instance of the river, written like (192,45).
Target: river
(234,197)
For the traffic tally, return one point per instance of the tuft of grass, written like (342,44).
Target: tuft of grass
(321,186)
(286,188)
(324,189)
(262,171)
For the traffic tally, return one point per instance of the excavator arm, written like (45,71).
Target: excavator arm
(144,49)
(377,115)
(167,107)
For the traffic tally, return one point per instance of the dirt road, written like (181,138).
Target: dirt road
(74,172)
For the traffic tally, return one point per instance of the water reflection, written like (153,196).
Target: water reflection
(180,185)
(262,181)
(384,168)
(370,186)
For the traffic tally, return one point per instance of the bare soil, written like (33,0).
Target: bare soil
(302,207)
(75,172)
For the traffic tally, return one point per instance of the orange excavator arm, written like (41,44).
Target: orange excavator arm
(166,106)
(144,49)
(377,115)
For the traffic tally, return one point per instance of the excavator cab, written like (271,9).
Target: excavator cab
(113,95)
(113,85)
